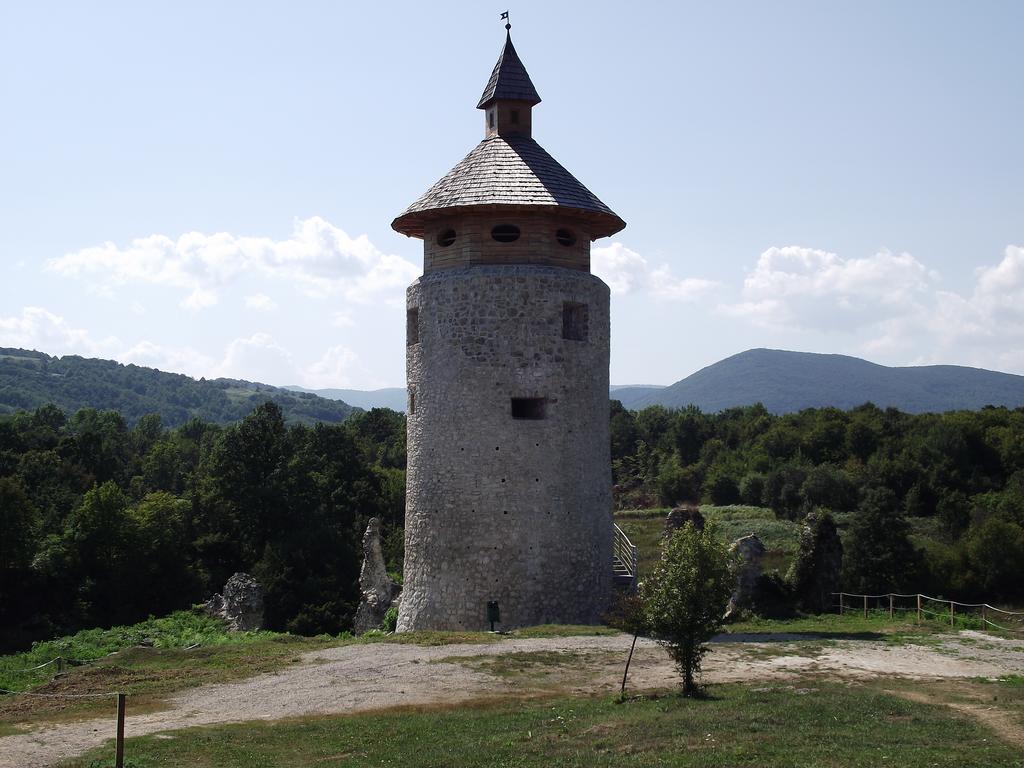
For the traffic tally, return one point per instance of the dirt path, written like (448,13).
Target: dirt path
(357,678)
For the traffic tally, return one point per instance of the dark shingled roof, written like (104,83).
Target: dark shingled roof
(509,170)
(509,79)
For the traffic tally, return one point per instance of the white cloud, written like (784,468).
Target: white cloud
(260,302)
(664,285)
(42,330)
(810,289)
(626,271)
(256,358)
(621,268)
(173,359)
(890,307)
(319,258)
(342,320)
(333,369)
(200,298)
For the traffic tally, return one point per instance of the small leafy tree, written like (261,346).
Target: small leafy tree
(684,598)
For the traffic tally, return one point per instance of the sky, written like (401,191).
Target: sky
(208,188)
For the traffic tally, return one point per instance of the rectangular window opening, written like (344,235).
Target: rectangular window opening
(529,407)
(412,401)
(412,326)
(575,321)
(515,117)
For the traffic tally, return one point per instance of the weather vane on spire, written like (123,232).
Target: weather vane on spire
(504,17)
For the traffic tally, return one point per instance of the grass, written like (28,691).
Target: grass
(781,538)
(813,723)
(179,630)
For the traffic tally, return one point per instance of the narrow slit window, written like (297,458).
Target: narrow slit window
(412,326)
(412,401)
(575,321)
(515,117)
(529,407)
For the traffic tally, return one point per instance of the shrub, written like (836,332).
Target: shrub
(684,598)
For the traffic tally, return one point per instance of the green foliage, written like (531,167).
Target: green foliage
(104,525)
(948,474)
(178,630)
(996,550)
(879,557)
(390,621)
(685,596)
(32,379)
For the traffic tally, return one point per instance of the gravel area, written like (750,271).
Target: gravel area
(358,678)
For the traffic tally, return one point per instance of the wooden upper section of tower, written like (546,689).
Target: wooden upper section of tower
(510,179)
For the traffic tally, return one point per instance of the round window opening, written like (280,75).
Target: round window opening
(565,237)
(505,233)
(446,238)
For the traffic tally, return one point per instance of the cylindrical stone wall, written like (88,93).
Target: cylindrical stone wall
(507,501)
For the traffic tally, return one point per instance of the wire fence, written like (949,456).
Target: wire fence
(952,612)
(122,706)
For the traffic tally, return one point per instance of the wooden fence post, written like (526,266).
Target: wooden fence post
(840,603)
(865,606)
(890,607)
(951,613)
(119,747)
(919,609)
(984,617)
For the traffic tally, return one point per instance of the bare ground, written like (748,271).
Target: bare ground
(358,678)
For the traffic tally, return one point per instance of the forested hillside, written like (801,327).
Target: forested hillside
(30,379)
(883,473)
(105,523)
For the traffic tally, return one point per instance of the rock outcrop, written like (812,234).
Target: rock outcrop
(815,573)
(750,552)
(377,591)
(241,604)
(680,516)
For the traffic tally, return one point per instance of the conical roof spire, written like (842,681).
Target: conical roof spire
(509,80)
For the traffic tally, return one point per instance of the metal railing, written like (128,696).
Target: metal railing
(625,559)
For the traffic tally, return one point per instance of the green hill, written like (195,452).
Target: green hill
(786,382)
(29,379)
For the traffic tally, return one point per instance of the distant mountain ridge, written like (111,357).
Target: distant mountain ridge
(791,381)
(389,397)
(29,379)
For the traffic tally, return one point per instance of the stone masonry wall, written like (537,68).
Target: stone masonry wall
(516,510)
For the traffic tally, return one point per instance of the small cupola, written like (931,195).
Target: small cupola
(509,97)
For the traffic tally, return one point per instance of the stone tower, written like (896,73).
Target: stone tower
(509,478)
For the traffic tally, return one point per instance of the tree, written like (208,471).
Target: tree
(879,555)
(684,598)
(996,551)
(19,525)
